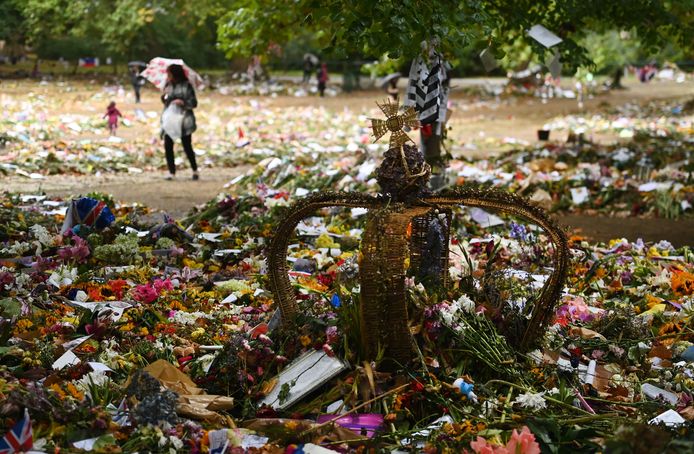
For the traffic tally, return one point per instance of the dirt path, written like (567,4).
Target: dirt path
(148,188)
(514,117)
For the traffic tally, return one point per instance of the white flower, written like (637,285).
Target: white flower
(271,202)
(64,275)
(534,401)
(187,318)
(42,235)
(661,280)
(536,356)
(455,273)
(92,379)
(466,304)
(18,248)
(21,280)
(447,314)
(176,442)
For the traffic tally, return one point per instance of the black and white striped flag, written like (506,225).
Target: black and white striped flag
(425,91)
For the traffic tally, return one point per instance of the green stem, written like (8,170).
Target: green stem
(507,404)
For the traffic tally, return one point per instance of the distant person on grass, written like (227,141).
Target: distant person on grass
(180,92)
(392,90)
(308,69)
(112,113)
(136,81)
(323,78)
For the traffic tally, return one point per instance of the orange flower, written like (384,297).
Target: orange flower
(682,283)
(205,442)
(94,293)
(74,392)
(56,389)
(313,284)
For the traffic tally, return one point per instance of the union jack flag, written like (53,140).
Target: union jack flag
(20,438)
(88,211)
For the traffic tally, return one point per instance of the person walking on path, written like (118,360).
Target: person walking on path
(112,113)
(136,82)
(179,91)
(309,66)
(392,90)
(323,78)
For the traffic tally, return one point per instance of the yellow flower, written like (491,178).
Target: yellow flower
(127,327)
(192,263)
(305,340)
(23,325)
(199,332)
(144,331)
(291,425)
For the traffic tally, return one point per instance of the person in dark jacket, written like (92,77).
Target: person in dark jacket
(178,90)
(136,81)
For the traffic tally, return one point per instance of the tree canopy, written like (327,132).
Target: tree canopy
(397,27)
(348,29)
(124,28)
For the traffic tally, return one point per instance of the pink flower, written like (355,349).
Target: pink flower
(160,285)
(523,442)
(575,309)
(145,294)
(482,446)
(328,350)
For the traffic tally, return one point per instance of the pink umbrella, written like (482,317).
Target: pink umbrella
(156,72)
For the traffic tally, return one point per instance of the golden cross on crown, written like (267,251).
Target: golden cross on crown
(395,123)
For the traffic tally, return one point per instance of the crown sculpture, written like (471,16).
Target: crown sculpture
(405,203)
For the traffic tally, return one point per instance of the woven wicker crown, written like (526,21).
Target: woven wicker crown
(386,245)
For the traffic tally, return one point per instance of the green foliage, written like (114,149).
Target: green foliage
(372,29)
(11,20)
(611,50)
(350,29)
(124,28)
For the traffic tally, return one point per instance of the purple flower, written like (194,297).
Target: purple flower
(332,334)
(518,232)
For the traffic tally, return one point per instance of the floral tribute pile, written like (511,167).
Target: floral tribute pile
(39,137)
(160,335)
(649,172)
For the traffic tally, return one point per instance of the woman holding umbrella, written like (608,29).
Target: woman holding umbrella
(178,90)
